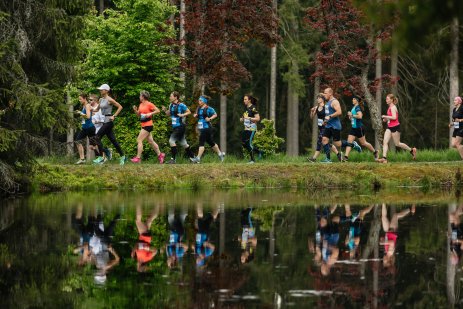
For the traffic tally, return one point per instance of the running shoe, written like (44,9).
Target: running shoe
(98,160)
(171,161)
(135,160)
(312,160)
(357,146)
(122,160)
(195,160)
(81,161)
(376,155)
(105,159)
(251,162)
(222,156)
(161,157)
(382,160)
(414,153)
(326,160)
(340,156)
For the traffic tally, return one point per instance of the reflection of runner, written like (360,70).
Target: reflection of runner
(391,227)
(142,251)
(175,248)
(456,236)
(96,246)
(203,248)
(356,226)
(329,228)
(248,239)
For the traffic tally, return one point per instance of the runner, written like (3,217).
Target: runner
(178,112)
(393,129)
(205,115)
(355,116)
(145,111)
(319,110)
(456,236)
(250,119)
(88,129)
(356,227)
(106,105)
(457,119)
(333,126)
(98,121)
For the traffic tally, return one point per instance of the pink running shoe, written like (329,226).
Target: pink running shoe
(161,157)
(135,160)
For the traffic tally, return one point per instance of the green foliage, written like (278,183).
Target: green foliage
(127,48)
(266,140)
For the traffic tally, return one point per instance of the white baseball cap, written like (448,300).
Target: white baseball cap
(104,87)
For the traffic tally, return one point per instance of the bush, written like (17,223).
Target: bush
(266,139)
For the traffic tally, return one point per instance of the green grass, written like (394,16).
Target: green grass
(278,171)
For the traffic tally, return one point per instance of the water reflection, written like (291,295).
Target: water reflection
(206,255)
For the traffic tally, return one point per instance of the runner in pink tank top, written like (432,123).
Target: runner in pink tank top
(393,129)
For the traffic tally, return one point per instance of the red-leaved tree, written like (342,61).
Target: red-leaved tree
(216,30)
(347,54)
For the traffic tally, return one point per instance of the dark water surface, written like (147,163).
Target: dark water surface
(227,250)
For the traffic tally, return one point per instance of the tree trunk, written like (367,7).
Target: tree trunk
(101,7)
(70,133)
(451,269)
(375,113)
(314,120)
(379,73)
(395,88)
(292,127)
(182,39)
(454,81)
(223,122)
(289,121)
(273,75)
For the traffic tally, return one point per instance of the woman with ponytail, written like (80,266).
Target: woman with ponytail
(250,119)
(357,131)
(393,129)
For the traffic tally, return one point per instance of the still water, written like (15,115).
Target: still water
(227,250)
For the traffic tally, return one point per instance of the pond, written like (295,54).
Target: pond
(231,249)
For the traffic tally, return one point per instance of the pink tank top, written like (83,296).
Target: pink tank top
(392,123)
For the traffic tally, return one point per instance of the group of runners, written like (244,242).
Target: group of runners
(328,112)
(98,121)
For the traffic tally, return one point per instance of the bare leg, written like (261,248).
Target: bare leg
(396,138)
(387,138)
(395,218)
(364,143)
(80,149)
(200,151)
(141,137)
(384,218)
(153,144)
(365,211)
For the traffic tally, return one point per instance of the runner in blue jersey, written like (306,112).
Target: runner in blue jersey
(333,125)
(357,130)
(178,112)
(203,248)
(176,248)
(205,115)
(88,128)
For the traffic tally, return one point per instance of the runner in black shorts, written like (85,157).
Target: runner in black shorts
(319,110)
(88,128)
(178,112)
(357,130)
(205,115)
(457,124)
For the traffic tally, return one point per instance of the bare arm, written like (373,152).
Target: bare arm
(337,107)
(186,113)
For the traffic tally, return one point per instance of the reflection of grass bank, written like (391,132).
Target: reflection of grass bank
(361,176)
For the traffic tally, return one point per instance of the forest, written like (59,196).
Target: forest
(282,52)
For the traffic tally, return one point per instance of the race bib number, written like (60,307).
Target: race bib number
(320,122)
(353,122)
(172,238)
(456,125)
(83,121)
(198,238)
(327,110)
(174,121)
(200,125)
(142,246)
(247,122)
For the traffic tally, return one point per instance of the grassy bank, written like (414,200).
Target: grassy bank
(54,176)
